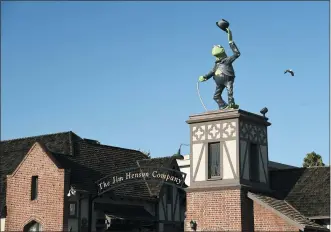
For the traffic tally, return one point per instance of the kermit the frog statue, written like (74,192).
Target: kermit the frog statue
(223,73)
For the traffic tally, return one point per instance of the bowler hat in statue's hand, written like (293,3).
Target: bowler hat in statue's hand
(223,24)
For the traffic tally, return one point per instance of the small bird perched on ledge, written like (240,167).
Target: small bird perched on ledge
(289,71)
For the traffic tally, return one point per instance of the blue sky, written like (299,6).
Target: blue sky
(125,73)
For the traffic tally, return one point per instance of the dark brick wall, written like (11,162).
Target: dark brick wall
(266,220)
(48,208)
(230,210)
(217,210)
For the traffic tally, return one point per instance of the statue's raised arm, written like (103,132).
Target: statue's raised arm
(233,46)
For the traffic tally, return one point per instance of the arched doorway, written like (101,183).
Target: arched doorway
(32,226)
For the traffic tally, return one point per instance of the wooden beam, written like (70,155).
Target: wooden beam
(199,161)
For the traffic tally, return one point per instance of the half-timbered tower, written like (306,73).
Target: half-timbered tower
(229,155)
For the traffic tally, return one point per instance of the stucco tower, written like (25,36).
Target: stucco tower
(229,155)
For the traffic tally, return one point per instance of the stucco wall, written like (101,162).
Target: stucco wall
(184,166)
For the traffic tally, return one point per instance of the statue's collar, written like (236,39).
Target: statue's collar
(219,60)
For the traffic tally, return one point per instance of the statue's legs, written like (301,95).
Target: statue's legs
(229,87)
(218,96)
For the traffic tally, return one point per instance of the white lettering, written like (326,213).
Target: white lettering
(128,175)
(100,186)
(137,175)
(154,174)
(117,179)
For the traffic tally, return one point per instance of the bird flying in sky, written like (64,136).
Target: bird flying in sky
(289,71)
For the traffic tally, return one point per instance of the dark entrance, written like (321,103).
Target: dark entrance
(32,226)
(127,217)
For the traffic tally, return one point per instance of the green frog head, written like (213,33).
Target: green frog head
(219,52)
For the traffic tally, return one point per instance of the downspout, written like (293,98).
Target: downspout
(90,201)
(79,213)
(156,218)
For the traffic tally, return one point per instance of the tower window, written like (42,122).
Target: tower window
(214,160)
(254,157)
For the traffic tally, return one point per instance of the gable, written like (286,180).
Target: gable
(156,188)
(13,152)
(37,159)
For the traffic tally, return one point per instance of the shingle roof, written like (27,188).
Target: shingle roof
(311,193)
(306,189)
(299,193)
(282,181)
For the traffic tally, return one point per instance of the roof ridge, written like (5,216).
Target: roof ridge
(162,157)
(318,167)
(156,158)
(280,163)
(104,145)
(288,169)
(30,137)
(276,162)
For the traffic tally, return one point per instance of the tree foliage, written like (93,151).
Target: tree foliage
(312,160)
(147,153)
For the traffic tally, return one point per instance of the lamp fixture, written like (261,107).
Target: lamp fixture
(72,191)
(178,155)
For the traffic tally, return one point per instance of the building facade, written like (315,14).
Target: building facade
(49,184)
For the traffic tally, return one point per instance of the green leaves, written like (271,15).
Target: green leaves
(312,160)
(147,153)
